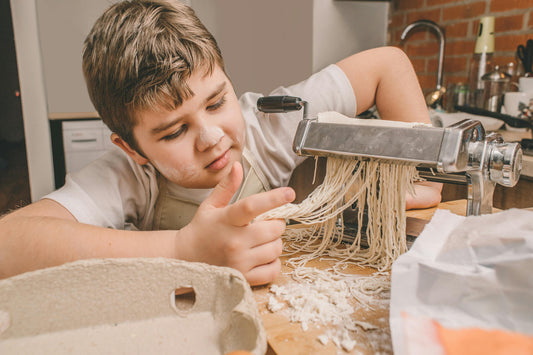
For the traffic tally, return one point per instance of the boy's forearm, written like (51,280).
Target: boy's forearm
(427,194)
(34,242)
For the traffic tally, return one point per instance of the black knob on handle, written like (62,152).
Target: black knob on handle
(276,104)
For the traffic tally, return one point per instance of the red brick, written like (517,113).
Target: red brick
(510,42)
(464,11)
(508,23)
(439,2)
(395,37)
(397,21)
(408,4)
(459,47)
(453,78)
(459,29)
(455,64)
(503,60)
(416,35)
(427,82)
(504,5)
(433,15)
(419,65)
(422,50)
(460,20)
(433,67)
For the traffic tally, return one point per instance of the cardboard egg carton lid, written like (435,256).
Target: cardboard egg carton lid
(129,306)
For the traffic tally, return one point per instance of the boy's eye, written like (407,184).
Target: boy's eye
(217,105)
(176,134)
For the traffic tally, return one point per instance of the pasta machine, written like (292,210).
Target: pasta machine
(460,154)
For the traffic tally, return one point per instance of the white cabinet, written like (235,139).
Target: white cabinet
(84,141)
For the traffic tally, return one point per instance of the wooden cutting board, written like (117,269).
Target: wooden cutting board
(286,338)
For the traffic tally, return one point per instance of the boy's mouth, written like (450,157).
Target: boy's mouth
(220,162)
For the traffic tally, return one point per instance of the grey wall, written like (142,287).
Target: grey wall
(63,26)
(342,28)
(279,42)
(265,43)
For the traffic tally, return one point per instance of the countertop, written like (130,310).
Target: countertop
(288,338)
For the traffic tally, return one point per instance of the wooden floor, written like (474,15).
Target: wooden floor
(14,182)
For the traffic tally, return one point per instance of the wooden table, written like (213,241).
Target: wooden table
(285,337)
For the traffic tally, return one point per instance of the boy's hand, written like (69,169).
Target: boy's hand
(427,194)
(226,235)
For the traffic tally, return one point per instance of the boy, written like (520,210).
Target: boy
(156,77)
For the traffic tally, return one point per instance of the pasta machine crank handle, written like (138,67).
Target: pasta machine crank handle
(280,104)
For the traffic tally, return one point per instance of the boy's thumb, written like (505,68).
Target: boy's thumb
(226,188)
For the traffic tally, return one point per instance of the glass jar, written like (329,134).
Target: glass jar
(496,84)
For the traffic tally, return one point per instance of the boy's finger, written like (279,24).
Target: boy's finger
(245,210)
(266,231)
(266,252)
(226,188)
(264,274)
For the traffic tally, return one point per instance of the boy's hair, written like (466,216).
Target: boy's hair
(139,56)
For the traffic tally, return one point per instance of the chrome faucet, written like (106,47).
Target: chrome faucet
(442,40)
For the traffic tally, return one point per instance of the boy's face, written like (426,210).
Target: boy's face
(196,144)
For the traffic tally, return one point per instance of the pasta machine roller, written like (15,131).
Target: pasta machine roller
(461,153)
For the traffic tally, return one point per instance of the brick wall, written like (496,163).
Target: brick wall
(459,18)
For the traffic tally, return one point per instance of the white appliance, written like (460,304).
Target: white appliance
(84,141)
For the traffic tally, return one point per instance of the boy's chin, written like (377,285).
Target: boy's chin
(203,181)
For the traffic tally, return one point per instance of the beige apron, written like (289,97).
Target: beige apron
(175,213)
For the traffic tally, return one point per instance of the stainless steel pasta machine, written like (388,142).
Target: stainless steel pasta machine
(462,153)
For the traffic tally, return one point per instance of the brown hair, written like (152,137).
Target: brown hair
(139,56)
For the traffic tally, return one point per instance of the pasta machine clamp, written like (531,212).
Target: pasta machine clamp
(461,153)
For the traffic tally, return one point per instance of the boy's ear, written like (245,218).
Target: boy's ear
(132,153)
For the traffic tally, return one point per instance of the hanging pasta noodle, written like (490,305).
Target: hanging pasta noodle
(379,193)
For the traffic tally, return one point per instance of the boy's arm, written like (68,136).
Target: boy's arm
(385,77)
(45,234)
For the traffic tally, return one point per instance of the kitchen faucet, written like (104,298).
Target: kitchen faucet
(436,95)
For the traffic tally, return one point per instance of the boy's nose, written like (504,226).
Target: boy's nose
(208,137)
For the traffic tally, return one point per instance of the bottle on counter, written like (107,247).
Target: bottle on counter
(482,61)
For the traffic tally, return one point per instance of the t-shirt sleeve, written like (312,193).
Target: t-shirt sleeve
(112,191)
(327,90)
(270,136)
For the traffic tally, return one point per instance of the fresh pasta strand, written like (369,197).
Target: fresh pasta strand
(380,191)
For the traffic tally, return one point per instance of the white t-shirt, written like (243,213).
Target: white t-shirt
(115,192)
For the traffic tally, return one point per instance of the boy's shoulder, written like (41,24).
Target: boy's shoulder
(113,168)
(109,191)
